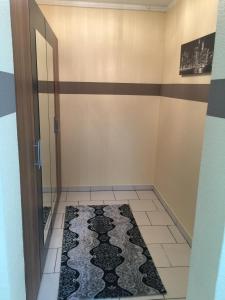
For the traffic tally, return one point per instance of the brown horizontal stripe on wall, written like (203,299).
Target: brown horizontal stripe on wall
(216,107)
(100,88)
(193,92)
(105,88)
(46,87)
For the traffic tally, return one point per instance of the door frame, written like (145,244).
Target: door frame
(21,38)
(25,130)
(39,23)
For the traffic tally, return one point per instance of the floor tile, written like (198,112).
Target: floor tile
(175,281)
(177,235)
(56,238)
(49,287)
(63,197)
(47,199)
(58,220)
(107,195)
(58,260)
(141,218)
(116,202)
(160,218)
(63,221)
(156,235)
(158,204)
(62,205)
(142,205)
(157,297)
(146,195)
(78,196)
(50,261)
(93,202)
(126,195)
(178,254)
(101,299)
(175,299)
(158,255)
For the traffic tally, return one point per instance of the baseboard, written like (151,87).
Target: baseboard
(49,190)
(173,217)
(135,187)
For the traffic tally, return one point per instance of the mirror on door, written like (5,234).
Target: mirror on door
(52,129)
(46,105)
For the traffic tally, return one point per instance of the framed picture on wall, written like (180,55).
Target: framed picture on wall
(197,56)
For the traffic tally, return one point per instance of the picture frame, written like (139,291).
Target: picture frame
(197,56)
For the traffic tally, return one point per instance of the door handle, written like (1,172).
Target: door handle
(37,151)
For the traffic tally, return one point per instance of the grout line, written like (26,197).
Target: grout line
(137,195)
(114,194)
(160,243)
(63,220)
(54,247)
(56,259)
(172,233)
(177,267)
(89,198)
(51,273)
(185,242)
(164,251)
(159,226)
(148,218)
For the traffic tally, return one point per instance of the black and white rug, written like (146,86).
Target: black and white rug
(105,256)
(46,213)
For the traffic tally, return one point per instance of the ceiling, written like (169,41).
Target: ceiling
(158,5)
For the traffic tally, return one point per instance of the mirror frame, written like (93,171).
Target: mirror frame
(39,23)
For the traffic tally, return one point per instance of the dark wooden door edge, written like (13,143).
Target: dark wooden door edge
(25,128)
(20,15)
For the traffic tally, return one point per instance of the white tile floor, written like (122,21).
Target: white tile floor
(167,246)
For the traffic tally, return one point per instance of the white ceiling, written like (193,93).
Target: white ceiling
(158,5)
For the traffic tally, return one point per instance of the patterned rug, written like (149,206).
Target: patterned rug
(105,256)
(46,212)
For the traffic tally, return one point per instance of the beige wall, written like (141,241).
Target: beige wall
(180,138)
(186,21)
(108,45)
(108,140)
(181,122)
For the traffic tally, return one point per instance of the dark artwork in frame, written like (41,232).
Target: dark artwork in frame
(197,56)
